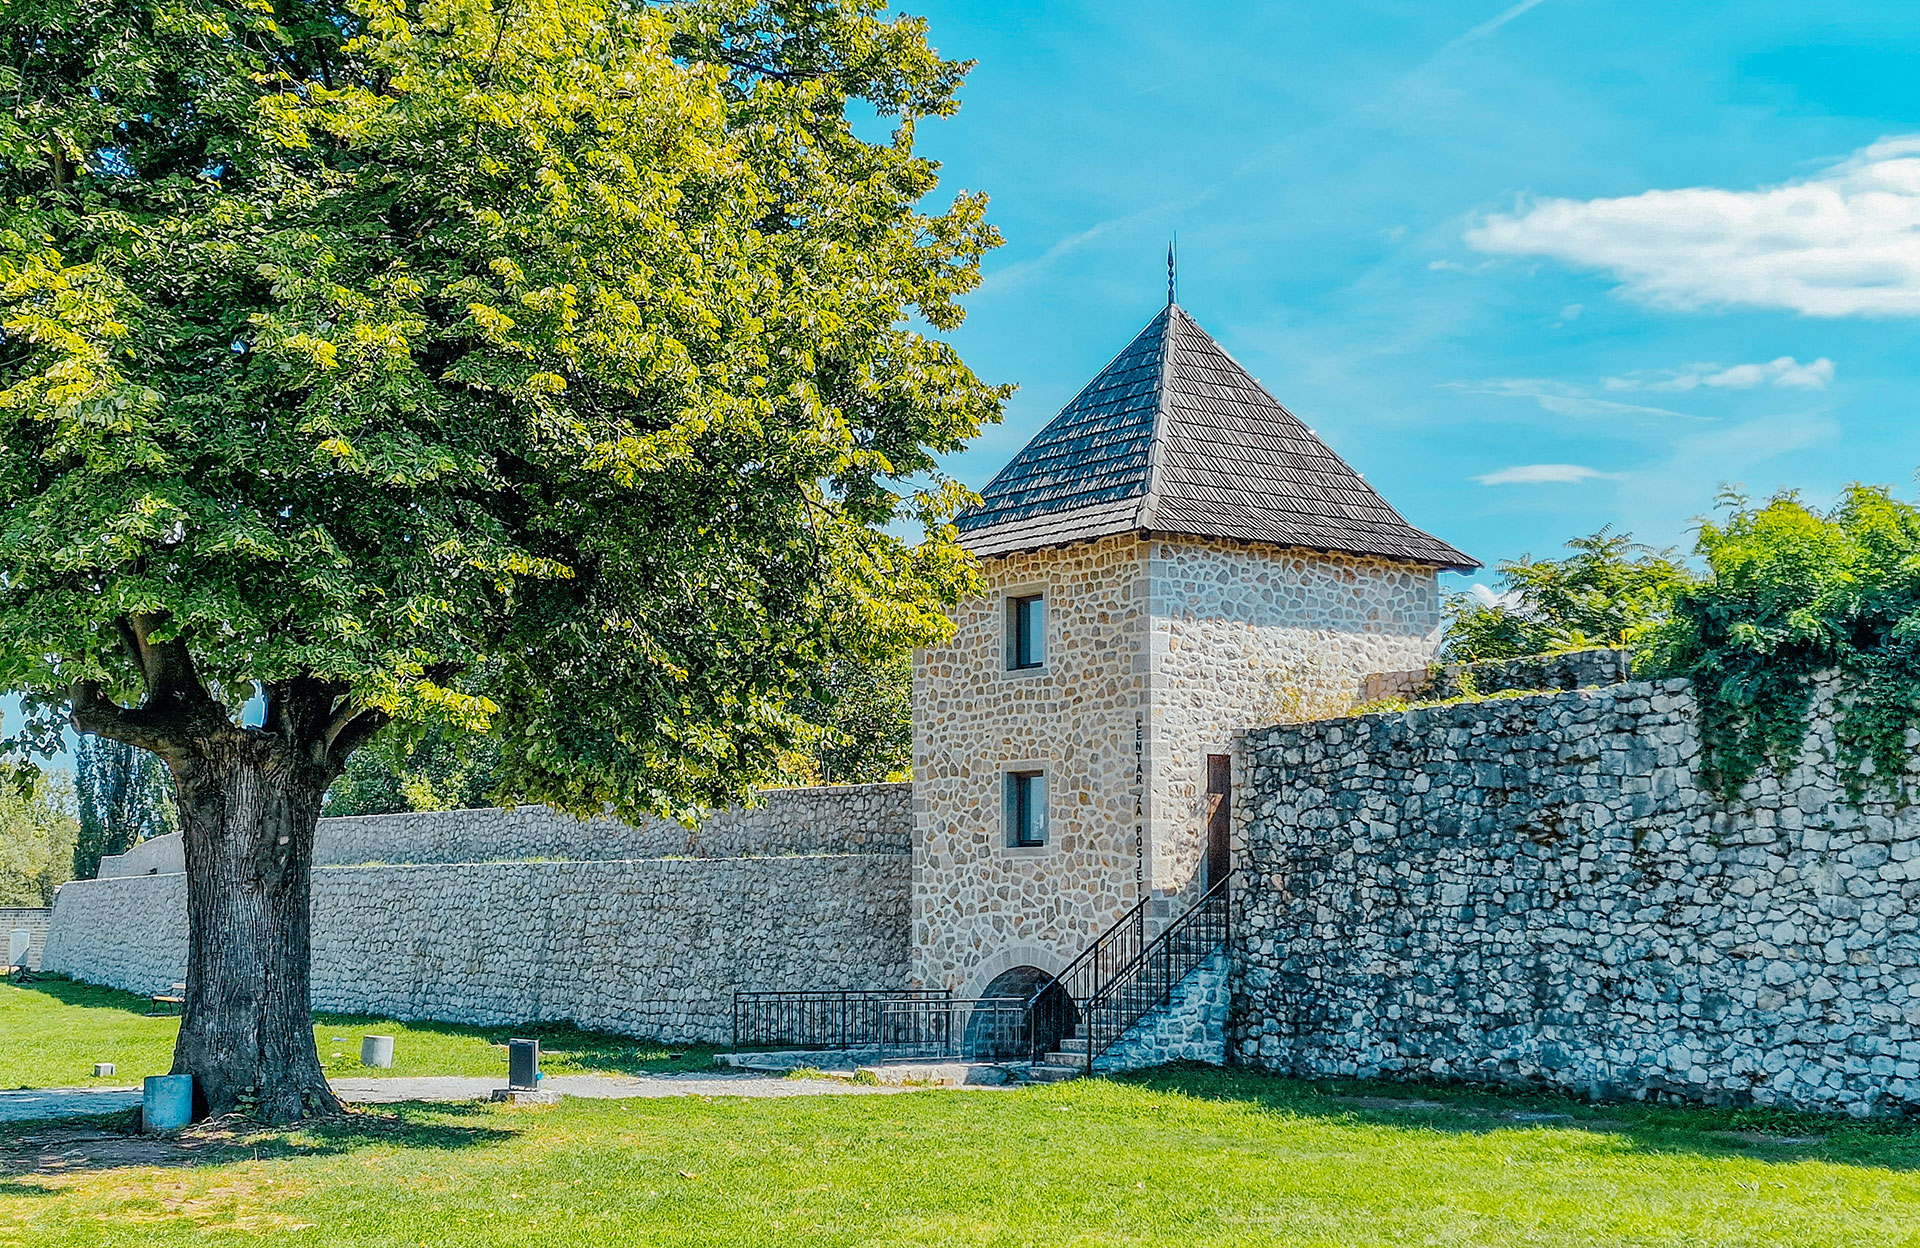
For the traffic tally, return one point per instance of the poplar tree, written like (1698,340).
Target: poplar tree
(122,797)
(560,368)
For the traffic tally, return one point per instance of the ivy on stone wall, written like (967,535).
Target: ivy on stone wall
(1795,592)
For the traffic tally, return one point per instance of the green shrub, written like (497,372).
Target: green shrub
(1794,592)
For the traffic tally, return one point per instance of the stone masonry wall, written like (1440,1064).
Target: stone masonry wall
(833,819)
(127,932)
(644,946)
(1248,635)
(651,948)
(30,919)
(981,906)
(1190,1027)
(1538,890)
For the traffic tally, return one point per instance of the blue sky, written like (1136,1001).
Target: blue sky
(1531,268)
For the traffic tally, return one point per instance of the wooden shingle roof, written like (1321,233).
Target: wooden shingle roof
(1175,438)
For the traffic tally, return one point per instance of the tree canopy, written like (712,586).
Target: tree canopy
(542,367)
(1611,591)
(854,726)
(563,369)
(1793,592)
(37,831)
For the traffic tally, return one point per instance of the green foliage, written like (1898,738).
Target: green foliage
(1795,592)
(1464,691)
(861,718)
(37,832)
(1611,591)
(123,796)
(544,368)
(855,726)
(438,767)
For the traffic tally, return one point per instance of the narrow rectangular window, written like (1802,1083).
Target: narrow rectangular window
(1026,808)
(1026,632)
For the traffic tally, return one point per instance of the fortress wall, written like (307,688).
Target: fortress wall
(30,919)
(652,948)
(1538,890)
(127,932)
(833,819)
(645,946)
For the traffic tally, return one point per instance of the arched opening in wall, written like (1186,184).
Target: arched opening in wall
(998,1031)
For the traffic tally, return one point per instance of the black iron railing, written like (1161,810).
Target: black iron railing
(891,1022)
(1127,992)
(1057,1007)
(1114,983)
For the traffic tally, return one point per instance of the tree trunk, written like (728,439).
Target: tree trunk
(248,807)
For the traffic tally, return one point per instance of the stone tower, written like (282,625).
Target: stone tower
(1175,558)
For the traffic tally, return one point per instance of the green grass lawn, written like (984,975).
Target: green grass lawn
(1179,1157)
(52,1031)
(1186,1157)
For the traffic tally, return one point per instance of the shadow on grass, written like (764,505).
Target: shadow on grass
(88,996)
(561,1044)
(564,1045)
(1751,1134)
(50,1149)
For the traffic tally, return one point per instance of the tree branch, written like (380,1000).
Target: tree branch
(162,732)
(352,732)
(167,667)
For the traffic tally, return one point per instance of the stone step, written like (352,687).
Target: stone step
(938,1074)
(1058,1068)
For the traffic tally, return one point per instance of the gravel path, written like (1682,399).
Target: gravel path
(31,1103)
(599,1087)
(38,1103)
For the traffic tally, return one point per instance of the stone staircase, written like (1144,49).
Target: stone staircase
(1126,1001)
(1174,987)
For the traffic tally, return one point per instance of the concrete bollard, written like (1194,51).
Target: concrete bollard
(102,1069)
(376,1051)
(166,1102)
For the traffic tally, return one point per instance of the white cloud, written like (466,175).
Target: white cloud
(1488,598)
(1541,474)
(1785,373)
(1559,398)
(1494,23)
(1844,242)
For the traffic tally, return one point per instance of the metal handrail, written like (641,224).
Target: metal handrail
(903,1022)
(1188,941)
(1121,943)
(1055,1007)
(1113,983)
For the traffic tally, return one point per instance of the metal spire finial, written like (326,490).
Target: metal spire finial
(1172,263)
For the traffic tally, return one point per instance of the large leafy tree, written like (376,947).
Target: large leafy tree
(1610,591)
(37,831)
(546,366)
(423,767)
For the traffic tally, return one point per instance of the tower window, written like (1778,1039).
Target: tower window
(1026,632)
(1026,808)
